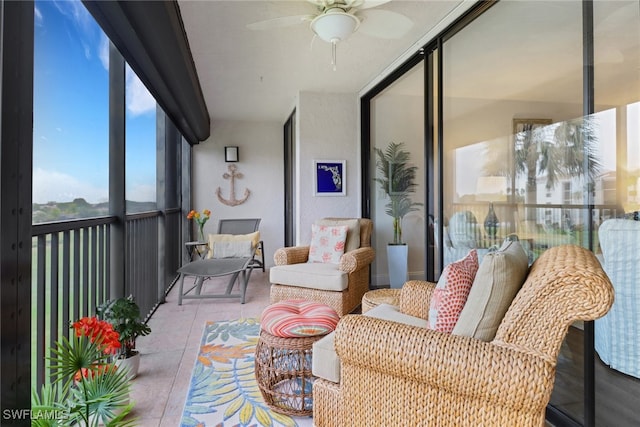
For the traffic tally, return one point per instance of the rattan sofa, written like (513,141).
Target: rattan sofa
(394,374)
(354,265)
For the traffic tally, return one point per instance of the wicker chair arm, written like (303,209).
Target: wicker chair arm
(356,259)
(415,297)
(456,365)
(291,255)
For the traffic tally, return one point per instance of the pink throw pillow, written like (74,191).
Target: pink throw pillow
(327,243)
(451,292)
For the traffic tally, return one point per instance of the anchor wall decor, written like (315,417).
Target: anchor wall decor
(232,175)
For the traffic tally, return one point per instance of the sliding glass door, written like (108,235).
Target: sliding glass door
(531,129)
(397,117)
(616,118)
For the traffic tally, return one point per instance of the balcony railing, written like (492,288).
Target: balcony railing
(544,225)
(71,272)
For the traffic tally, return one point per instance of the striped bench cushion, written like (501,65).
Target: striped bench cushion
(298,318)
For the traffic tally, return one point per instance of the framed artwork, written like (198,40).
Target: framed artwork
(330,177)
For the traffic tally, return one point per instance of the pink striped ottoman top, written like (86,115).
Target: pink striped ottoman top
(298,318)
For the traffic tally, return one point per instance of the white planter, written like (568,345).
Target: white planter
(397,256)
(131,364)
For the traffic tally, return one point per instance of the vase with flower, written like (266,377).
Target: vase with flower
(87,388)
(200,219)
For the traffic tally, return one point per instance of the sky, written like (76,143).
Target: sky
(71,112)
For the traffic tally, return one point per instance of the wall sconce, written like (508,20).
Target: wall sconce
(231,154)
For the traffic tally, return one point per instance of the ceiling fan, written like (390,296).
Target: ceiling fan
(335,20)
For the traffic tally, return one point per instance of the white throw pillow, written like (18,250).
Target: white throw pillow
(254,238)
(327,243)
(353,233)
(232,249)
(498,280)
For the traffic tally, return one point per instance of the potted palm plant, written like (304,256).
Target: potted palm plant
(87,389)
(124,315)
(397,180)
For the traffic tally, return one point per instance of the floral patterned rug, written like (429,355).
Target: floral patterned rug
(223,391)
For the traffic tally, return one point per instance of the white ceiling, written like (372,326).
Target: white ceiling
(256,75)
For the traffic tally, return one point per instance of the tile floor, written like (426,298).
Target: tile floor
(169,352)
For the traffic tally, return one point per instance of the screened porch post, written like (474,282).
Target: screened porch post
(117,203)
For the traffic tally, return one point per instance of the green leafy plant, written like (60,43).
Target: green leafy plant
(124,315)
(561,155)
(87,388)
(397,179)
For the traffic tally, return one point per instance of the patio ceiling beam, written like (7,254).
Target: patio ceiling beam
(150,36)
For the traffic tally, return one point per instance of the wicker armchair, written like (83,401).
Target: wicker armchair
(399,375)
(354,264)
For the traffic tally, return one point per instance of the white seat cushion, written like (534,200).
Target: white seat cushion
(323,276)
(325,363)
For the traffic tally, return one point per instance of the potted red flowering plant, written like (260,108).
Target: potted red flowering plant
(87,388)
(200,219)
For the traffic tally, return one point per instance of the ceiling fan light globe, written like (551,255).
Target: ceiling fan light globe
(335,25)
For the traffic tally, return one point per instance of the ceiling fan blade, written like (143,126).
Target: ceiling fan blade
(319,3)
(366,4)
(285,21)
(348,4)
(384,24)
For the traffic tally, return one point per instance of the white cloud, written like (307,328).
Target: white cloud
(76,11)
(38,19)
(53,186)
(87,50)
(141,193)
(139,100)
(84,23)
(103,52)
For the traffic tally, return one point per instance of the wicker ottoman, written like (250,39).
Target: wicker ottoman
(284,350)
(378,296)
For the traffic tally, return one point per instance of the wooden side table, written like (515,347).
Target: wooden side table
(378,296)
